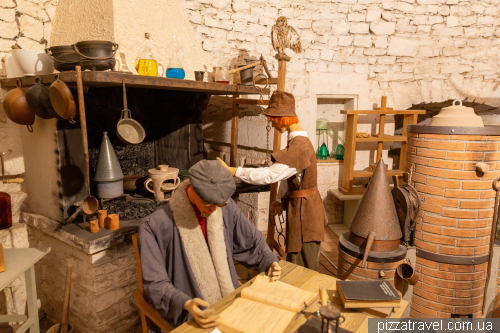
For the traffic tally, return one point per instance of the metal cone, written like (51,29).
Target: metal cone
(108,168)
(376,211)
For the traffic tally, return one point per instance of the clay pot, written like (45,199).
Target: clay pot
(132,183)
(113,221)
(62,100)
(16,107)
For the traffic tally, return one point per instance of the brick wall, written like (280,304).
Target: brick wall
(457,209)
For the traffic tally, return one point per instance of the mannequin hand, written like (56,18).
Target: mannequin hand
(274,271)
(276,208)
(204,318)
(232,170)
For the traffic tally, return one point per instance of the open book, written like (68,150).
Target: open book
(265,307)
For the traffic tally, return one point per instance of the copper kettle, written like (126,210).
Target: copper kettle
(16,107)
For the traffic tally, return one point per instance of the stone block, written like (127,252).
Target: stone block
(388,16)
(380,42)
(485,20)
(444,10)
(451,51)
(363,40)
(327,55)
(456,31)
(322,67)
(404,7)
(424,28)
(287,12)
(383,28)
(468,20)
(452,21)
(321,26)
(455,69)
(240,6)
(31,27)
(7,15)
(7,3)
(373,15)
(401,46)
(360,69)
(334,67)
(432,9)
(486,31)
(345,40)
(311,67)
(359,28)
(387,60)
(340,28)
(436,19)
(492,11)
(477,8)
(356,17)
(428,2)
(355,59)
(419,19)
(27,7)
(8,29)
(305,24)
(374,52)
(347,68)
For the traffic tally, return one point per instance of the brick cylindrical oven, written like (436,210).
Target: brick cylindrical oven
(453,232)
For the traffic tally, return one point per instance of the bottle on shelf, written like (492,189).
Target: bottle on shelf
(175,69)
(222,74)
(5,211)
(145,64)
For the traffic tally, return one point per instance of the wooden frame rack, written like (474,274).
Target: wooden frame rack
(410,118)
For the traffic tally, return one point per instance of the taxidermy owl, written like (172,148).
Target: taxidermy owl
(284,36)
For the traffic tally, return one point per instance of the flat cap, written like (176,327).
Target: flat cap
(212,182)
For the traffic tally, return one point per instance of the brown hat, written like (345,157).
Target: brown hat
(281,104)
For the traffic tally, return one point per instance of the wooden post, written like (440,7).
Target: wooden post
(233,157)
(276,147)
(350,151)
(83,122)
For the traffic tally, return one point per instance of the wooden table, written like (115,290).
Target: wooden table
(17,262)
(305,279)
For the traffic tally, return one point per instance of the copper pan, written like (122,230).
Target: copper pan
(62,100)
(17,109)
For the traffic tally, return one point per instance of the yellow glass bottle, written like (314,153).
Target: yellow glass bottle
(146,62)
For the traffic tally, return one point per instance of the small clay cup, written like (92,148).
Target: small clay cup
(113,221)
(101,216)
(94,226)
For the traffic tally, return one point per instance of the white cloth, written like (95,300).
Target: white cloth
(277,172)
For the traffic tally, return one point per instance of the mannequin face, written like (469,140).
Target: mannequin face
(281,128)
(204,207)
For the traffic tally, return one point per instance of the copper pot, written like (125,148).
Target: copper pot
(17,109)
(62,100)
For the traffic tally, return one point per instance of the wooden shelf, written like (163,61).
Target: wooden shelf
(115,79)
(385,138)
(384,111)
(366,173)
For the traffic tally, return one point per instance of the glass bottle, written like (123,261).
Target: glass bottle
(5,211)
(175,69)
(146,62)
(222,75)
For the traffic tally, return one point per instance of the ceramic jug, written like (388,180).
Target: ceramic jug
(160,177)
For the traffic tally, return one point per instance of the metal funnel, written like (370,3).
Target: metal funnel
(376,212)
(108,168)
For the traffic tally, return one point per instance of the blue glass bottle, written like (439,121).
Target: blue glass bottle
(175,69)
(176,73)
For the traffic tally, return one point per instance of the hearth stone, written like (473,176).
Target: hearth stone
(104,274)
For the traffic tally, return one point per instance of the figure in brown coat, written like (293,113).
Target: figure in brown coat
(295,168)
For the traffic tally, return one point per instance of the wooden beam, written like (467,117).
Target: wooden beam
(233,156)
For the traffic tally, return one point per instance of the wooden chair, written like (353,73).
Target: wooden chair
(145,309)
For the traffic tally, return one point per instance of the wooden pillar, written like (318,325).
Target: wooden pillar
(276,147)
(233,156)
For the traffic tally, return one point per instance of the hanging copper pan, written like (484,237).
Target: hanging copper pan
(62,100)
(17,109)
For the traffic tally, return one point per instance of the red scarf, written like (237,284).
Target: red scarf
(201,219)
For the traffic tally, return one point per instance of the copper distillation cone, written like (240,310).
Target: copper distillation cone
(375,225)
